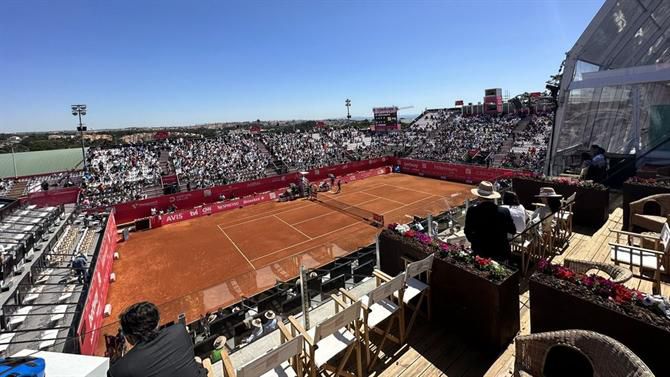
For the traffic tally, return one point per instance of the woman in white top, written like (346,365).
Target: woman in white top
(551,203)
(518,212)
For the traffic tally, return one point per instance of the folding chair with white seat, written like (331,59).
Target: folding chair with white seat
(379,306)
(416,288)
(564,221)
(330,338)
(281,361)
(642,258)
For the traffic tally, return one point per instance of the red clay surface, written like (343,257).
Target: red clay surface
(200,265)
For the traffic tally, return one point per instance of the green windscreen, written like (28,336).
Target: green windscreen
(659,126)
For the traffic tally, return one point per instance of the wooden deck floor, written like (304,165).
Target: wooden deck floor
(435,353)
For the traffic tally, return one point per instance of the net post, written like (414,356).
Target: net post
(304,296)
(430,225)
(377,261)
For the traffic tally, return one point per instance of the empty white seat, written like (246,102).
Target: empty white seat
(5,339)
(332,345)
(48,338)
(19,316)
(623,254)
(58,313)
(379,311)
(413,289)
(274,363)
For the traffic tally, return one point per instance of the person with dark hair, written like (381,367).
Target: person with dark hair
(545,213)
(79,264)
(598,167)
(516,210)
(585,166)
(155,353)
(487,225)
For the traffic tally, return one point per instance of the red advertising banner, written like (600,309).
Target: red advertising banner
(209,209)
(128,212)
(169,179)
(52,197)
(213,208)
(456,172)
(92,315)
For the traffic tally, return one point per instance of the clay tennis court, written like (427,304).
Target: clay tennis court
(200,265)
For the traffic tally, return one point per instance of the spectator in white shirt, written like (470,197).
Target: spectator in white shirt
(516,209)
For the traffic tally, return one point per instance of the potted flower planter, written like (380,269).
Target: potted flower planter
(464,299)
(636,190)
(591,207)
(561,305)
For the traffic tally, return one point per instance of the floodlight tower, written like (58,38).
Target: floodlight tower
(79,110)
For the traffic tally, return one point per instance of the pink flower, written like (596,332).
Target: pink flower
(423,238)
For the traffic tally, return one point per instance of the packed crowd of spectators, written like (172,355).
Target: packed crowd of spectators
(530,144)
(305,150)
(5,186)
(118,175)
(460,139)
(124,173)
(202,163)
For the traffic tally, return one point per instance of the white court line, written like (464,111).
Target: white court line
(409,204)
(381,197)
(266,215)
(305,241)
(332,210)
(284,210)
(423,192)
(238,249)
(294,228)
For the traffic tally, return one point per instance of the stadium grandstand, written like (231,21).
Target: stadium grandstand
(524,236)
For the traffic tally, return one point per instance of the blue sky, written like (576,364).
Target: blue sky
(161,63)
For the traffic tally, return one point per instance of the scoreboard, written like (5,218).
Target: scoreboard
(385,119)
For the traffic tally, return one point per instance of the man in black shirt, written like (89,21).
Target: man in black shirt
(164,353)
(487,225)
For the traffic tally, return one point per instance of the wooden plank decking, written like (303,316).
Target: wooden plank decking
(438,353)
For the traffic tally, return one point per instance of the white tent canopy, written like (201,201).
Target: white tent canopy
(615,90)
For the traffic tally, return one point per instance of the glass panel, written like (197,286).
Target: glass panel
(661,13)
(576,115)
(583,67)
(613,26)
(612,121)
(629,54)
(654,114)
(599,116)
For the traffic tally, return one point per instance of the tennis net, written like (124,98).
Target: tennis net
(358,212)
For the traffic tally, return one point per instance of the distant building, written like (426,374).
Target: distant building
(93,137)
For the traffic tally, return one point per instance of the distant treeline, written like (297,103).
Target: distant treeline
(41,141)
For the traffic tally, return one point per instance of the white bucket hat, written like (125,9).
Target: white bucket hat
(486,191)
(548,192)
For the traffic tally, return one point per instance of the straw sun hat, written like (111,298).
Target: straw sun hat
(486,191)
(548,192)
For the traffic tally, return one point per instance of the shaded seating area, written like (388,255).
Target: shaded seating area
(650,213)
(545,238)
(382,307)
(576,352)
(617,274)
(338,335)
(284,360)
(635,254)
